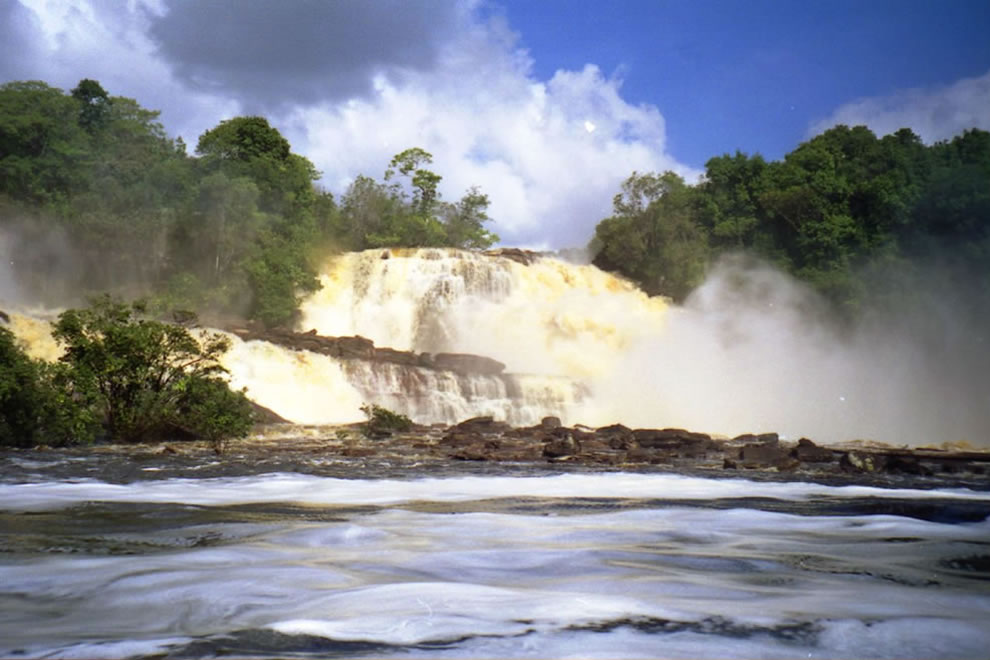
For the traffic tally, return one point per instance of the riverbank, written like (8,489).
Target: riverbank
(485,445)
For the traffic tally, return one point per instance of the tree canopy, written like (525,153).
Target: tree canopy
(99,198)
(831,212)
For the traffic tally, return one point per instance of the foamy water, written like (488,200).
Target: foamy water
(569,565)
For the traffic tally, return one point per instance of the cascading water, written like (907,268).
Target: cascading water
(742,354)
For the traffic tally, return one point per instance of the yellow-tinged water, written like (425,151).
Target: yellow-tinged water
(549,317)
(35,336)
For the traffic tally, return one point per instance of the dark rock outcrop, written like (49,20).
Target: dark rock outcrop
(808,452)
(362,348)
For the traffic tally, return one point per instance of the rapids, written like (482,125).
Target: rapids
(345,559)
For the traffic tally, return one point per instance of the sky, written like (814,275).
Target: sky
(546,105)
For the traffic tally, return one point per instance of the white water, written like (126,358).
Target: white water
(746,353)
(600,565)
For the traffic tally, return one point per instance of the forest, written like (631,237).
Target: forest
(96,197)
(93,189)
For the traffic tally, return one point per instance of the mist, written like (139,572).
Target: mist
(753,350)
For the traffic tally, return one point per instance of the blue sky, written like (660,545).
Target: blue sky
(755,75)
(546,105)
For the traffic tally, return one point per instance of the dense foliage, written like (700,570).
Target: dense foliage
(98,198)
(843,211)
(122,376)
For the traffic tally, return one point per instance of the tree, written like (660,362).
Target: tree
(464,222)
(143,377)
(22,400)
(35,405)
(653,236)
(95,105)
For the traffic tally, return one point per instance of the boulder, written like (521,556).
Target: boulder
(548,423)
(674,442)
(808,452)
(757,438)
(560,446)
(763,455)
(485,424)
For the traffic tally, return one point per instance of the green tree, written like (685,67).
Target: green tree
(653,236)
(143,376)
(95,105)
(36,406)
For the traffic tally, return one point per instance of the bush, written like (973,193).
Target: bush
(383,422)
(145,379)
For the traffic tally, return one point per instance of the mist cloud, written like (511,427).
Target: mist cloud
(752,350)
(934,114)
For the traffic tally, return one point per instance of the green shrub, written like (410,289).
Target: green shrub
(382,421)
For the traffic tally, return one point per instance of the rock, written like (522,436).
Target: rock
(466,363)
(484,424)
(674,442)
(456,438)
(760,455)
(169,450)
(561,446)
(525,257)
(761,438)
(263,415)
(907,465)
(548,423)
(808,452)
(4,316)
(355,347)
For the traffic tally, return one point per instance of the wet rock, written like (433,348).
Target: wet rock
(808,452)
(457,438)
(674,442)
(525,257)
(906,465)
(480,451)
(468,364)
(765,455)
(757,438)
(548,423)
(561,445)
(484,424)
(263,415)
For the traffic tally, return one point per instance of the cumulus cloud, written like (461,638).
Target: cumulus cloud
(351,83)
(489,122)
(934,113)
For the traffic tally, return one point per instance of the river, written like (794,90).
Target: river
(141,555)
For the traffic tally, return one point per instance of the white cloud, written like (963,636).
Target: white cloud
(108,42)
(478,108)
(934,113)
(489,122)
